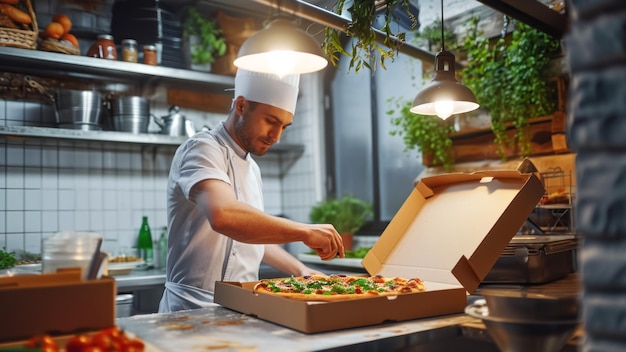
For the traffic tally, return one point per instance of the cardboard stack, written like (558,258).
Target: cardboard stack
(58,303)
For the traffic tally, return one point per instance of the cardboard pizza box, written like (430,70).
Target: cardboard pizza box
(55,303)
(449,232)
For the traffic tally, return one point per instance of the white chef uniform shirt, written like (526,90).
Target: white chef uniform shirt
(196,253)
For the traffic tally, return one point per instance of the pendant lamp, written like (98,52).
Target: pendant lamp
(281,48)
(444,96)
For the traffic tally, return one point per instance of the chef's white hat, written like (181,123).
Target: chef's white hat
(268,88)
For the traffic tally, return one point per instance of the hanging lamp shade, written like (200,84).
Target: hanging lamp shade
(281,48)
(444,96)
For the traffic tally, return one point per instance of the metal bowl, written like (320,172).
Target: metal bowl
(526,306)
(513,335)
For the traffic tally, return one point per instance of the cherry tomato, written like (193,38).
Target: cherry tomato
(93,349)
(135,345)
(115,332)
(43,342)
(78,343)
(106,341)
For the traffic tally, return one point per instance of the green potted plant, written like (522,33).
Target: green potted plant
(347,214)
(429,135)
(510,80)
(204,39)
(365,48)
(7,259)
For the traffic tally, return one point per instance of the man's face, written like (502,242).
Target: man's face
(260,126)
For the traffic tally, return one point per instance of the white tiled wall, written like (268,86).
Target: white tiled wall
(50,185)
(53,185)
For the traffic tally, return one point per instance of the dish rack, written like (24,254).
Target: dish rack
(555,211)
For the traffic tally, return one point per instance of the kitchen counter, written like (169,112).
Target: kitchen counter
(140,279)
(220,328)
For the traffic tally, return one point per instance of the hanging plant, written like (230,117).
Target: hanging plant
(509,79)
(427,134)
(430,37)
(365,49)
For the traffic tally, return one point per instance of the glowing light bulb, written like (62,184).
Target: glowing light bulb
(281,62)
(444,108)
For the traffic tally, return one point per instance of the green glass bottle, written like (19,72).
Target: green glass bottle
(163,245)
(144,243)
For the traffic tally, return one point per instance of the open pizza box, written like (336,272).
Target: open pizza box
(449,232)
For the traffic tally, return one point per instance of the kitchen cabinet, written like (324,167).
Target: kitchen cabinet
(140,291)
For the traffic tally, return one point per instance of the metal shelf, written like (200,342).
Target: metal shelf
(285,152)
(36,62)
(279,159)
(98,136)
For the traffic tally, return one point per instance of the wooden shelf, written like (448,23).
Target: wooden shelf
(547,136)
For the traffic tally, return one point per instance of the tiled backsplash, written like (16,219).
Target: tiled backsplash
(52,185)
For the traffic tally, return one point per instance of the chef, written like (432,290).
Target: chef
(217,227)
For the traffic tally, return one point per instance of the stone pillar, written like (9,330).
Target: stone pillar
(596,50)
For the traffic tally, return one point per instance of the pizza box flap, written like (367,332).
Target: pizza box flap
(453,227)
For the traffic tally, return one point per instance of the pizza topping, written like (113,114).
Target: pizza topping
(339,284)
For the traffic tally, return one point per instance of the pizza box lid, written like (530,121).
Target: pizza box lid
(453,227)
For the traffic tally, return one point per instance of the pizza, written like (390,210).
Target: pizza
(338,287)
(560,196)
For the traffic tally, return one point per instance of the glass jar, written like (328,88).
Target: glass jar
(149,55)
(129,50)
(103,48)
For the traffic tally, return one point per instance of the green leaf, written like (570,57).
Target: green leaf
(347,214)
(365,46)
(7,259)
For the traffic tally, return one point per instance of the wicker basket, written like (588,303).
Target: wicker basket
(54,45)
(21,38)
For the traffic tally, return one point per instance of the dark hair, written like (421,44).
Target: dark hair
(253,104)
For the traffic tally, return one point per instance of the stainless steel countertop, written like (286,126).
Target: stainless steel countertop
(139,279)
(217,327)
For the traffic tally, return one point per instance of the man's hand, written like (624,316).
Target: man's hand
(306,271)
(325,241)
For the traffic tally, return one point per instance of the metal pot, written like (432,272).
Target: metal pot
(130,114)
(175,124)
(78,109)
